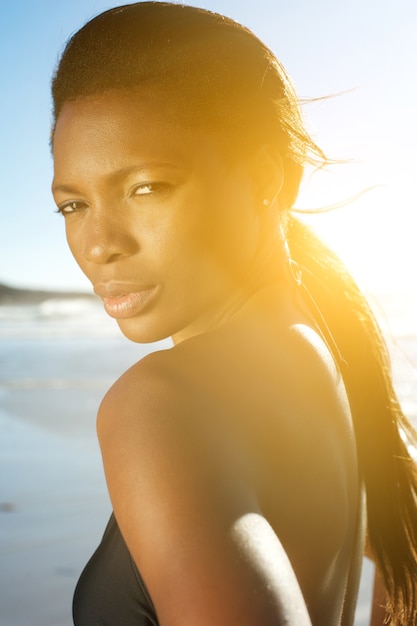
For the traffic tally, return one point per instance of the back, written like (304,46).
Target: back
(268,386)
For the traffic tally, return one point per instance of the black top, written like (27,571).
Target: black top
(110,591)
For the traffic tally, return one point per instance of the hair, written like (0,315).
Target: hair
(224,77)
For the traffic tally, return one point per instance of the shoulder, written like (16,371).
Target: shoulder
(159,448)
(154,385)
(155,372)
(148,406)
(159,416)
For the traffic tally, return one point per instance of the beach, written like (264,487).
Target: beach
(56,362)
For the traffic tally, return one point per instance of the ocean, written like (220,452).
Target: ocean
(57,359)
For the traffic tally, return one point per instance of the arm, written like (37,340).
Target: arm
(203,548)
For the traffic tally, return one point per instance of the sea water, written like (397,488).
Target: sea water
(56,362)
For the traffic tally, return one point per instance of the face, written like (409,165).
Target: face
(161,222)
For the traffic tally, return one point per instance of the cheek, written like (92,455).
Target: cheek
(220,230)
(204,239)
(214,251)
(228,235)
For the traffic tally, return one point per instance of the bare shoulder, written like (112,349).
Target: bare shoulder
(147,421)
(149,386)
(192,526)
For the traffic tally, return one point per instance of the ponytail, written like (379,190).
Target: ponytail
(381,429)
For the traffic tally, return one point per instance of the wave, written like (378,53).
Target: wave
(29,384)
(47,308)
(56,317)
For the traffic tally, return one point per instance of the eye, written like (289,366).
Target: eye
(71,206)
(147,189)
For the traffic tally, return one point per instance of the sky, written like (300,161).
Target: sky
(360,53)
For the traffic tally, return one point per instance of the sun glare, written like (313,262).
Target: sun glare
(370,226)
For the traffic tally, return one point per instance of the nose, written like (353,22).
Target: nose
(106,239)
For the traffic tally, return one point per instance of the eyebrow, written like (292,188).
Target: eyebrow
(117,175)
(64,188)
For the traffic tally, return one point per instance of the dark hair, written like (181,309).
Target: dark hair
(224,77)
(221,73)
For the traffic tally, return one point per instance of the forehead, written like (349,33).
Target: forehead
(119,114)
(118,129)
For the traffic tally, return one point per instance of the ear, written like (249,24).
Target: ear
(267,172)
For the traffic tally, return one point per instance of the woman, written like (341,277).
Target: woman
(238,461)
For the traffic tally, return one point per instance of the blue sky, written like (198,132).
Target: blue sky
(366,48)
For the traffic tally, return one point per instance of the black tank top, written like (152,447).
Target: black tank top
(110,591)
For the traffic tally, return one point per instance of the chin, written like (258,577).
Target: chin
(140,332)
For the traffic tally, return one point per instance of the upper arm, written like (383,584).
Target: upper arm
(190,522)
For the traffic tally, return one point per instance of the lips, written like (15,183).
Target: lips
(122,300)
